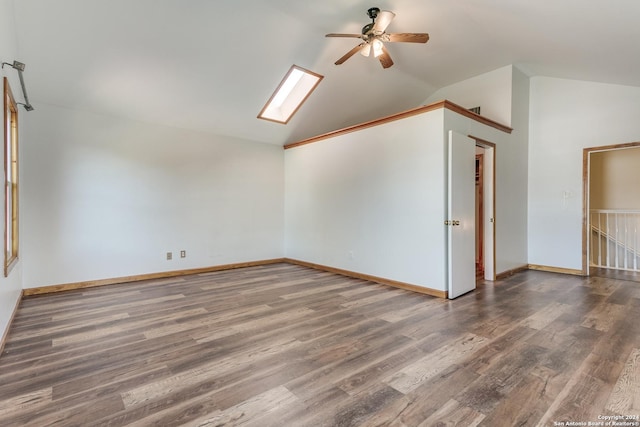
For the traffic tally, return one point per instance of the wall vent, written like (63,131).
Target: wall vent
(475,110)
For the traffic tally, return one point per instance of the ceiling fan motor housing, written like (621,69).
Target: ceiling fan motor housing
(373,12)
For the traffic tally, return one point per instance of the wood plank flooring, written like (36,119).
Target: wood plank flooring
(631,276)
(285,345)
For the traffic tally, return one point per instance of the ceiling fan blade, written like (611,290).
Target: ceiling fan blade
(350,54)
(356,36)
(409,37)
(383,20)
(385,58)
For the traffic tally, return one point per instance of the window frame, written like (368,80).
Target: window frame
(290,94)
(11,229)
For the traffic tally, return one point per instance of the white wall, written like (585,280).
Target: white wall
(491,91)
(565,117)
(10,287)
(511,182)
(371,201)
(105,197)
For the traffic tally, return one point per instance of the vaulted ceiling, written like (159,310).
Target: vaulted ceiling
(211,65)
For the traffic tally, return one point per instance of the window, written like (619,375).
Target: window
(10,179)
(293,90)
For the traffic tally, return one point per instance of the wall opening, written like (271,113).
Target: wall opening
(611,211)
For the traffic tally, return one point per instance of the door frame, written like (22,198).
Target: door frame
(586,176)
(489,203)
(480,214)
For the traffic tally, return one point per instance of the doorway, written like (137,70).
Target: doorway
(485,210)
(611,211)
(479,213)
(463,241)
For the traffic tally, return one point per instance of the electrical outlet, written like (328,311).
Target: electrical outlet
(183,254)
(169,256)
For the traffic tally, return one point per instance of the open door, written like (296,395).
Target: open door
(461,273)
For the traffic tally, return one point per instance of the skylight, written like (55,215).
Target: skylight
(292,91)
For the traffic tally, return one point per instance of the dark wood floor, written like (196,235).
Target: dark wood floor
(631,276)
(284,345)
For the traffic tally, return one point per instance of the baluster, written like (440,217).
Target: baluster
(599,239)
(636,219)
(625,246)
(616,239)
(608,234)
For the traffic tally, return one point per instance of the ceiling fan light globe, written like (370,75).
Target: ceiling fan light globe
(376,47)
(365,51)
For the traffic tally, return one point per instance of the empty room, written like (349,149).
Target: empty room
(340,213)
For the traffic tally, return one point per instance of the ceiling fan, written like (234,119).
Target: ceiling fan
(374,35)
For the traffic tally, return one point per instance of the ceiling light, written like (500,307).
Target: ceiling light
(293,90)
(376,46)
(365,50)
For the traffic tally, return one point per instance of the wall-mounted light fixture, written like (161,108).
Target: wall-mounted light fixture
(17,65)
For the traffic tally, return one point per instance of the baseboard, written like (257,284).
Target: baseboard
(5,335)
(381,280)
(138,278)
(537,267)
(509,273)
(167,274)
(556,269)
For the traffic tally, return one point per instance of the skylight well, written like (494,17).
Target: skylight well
(292,91)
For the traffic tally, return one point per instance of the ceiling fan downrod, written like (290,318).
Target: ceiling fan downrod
(372,13)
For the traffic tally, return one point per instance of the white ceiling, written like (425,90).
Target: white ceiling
(211,65)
